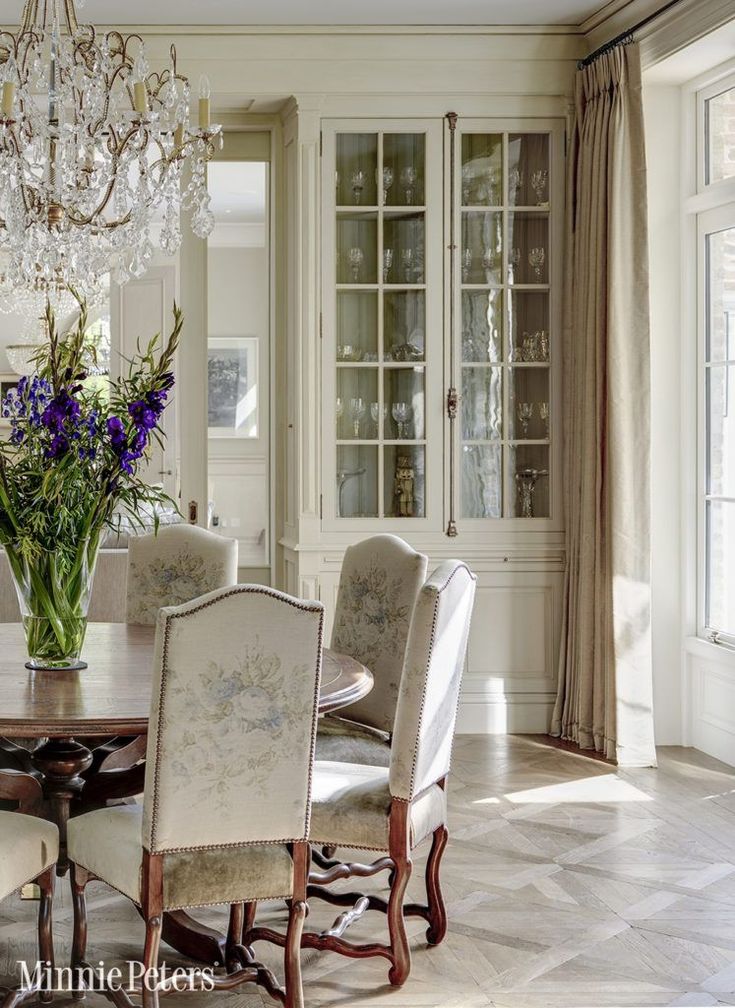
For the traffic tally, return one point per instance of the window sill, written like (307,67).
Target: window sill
(724,654)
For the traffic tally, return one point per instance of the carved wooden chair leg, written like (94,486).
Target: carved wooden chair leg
(234,937)
(301,853)
(45,933)
(328,851)
(292,955)
(79,879)
(247,926)
(150,960)
(400,852)
(437,928)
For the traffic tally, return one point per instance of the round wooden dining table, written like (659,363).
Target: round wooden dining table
(90,731)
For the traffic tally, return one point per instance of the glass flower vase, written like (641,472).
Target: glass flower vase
(54,600)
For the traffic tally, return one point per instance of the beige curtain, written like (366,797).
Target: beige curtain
(605,681)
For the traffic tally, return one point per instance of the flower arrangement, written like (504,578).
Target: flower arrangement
(70,463)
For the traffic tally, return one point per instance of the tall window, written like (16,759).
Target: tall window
(717,312)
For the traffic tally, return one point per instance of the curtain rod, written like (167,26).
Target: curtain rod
(626,36)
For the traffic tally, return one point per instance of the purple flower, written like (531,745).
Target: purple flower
(17,436)
(61,408)
(157,400)
(143,416)
(58,448)
(116,430)
(167,380)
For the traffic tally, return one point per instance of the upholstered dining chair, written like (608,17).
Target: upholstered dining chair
(228,777)
(378,585)
(177,564)
(392,810)
(29,849)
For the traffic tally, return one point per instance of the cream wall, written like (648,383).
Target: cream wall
(238,292)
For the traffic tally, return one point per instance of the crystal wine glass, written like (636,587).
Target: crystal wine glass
(543,412)
(356,258)
(466,264)
(357,181)
(515,181)
(525,415)
(387,263)
(387,182)
(407,263)
(536,259)
(467,180)
(339,408)
(514,260)
(401,413)
(408,181)
(488,263)
(491,186)
(375,412)
(357,412)
(539,181)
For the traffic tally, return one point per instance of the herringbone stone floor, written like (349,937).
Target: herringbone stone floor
(568,883)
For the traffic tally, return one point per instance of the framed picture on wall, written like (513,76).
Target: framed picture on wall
(232,386)
(7,382)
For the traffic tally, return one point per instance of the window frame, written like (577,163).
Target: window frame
(712,207)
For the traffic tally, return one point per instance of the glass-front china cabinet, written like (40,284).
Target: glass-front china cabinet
(440,324)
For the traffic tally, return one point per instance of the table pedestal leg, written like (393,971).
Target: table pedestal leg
(61,761)
(193,939)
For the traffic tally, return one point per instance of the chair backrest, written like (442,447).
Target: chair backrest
(380,580)
(233,720)
(429,696)
(176,565)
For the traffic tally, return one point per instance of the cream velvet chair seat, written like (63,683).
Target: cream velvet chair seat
(353,802)
(28,847)
(108,843)
(380,579)
(228,775)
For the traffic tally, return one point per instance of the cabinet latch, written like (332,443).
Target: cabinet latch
(452,403)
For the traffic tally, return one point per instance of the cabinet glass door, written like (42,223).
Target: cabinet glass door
(380,353)
(504,249)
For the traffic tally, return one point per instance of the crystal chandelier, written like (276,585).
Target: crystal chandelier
(93,149)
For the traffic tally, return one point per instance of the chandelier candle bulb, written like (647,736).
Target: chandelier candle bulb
(140,97)
(179,137)
(8,99)
(204,96)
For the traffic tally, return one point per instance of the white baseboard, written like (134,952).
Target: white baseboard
(506,714)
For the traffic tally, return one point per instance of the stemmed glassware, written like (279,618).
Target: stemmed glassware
(525,415)
(515,181)
(466,264)
(543,412)
(407,264)
(467,180)
(539,181)
(387,263)
(401,413)
(536,259)
(387,182)
(356,258)
(491,186)
(339,408)
(357,181)
(357,412)
(375,412)
(514,260)
(408,181)
(488,263)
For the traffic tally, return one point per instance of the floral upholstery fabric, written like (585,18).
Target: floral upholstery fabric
(109,844)
(177,565)
(380,580)
(429,696)
(351,805)
(28,846)
(341,741)
(236,683)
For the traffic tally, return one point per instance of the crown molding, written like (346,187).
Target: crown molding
(299,30)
